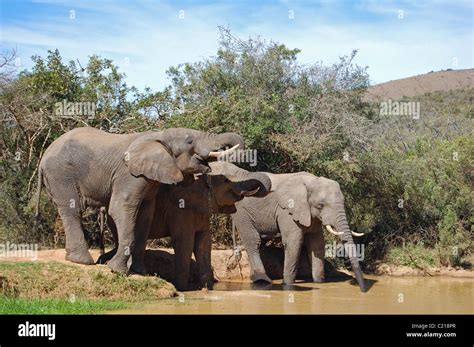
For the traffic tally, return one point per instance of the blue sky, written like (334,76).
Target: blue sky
(395,39)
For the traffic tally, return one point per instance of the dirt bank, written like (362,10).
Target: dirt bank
(49,278)
(161,262)
(397,270)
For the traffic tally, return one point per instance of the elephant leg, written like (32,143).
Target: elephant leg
(202,253)
(124,215)
(183,250)
(292,238)
(252,241)
(314,242)
(145,217)
(77,250)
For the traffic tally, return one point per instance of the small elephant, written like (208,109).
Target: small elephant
(182,211)
(88,167)
(296,210)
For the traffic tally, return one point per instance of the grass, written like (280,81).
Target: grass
(57,306)
(54,287)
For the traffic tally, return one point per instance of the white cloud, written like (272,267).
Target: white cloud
(153,37)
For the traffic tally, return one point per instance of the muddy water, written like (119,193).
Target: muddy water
(386,295)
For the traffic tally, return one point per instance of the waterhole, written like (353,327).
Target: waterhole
(387,295)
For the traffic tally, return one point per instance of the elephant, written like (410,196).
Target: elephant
(89,167)
(182,211)
(296,210)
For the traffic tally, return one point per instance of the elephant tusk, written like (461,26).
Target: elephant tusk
(250,192)
(357,234)
(221,153)
(331,230)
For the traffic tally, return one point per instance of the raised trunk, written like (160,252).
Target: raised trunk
(230,140)
(208,142)
(346,237)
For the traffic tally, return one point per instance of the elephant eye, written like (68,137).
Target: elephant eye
(188,139)
(319,206)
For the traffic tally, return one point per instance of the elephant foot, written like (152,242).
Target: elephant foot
(118,265)
(207,282)
(207,285)
(104,258)
(288,280)
(138,268)
(318,280)
(79,257)
(181,285)
(260,278)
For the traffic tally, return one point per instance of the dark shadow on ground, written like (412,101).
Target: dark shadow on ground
(161,263)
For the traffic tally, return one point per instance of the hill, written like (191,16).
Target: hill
(421,84)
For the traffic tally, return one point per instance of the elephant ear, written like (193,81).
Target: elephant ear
(150,158)
(293,197)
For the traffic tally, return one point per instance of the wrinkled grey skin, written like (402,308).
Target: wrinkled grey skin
(182,211)
(88,167)
(296,209)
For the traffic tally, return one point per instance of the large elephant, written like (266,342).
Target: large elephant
(182,211)
(89,167)
(298,207)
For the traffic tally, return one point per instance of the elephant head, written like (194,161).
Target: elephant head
(219,190)
(227,189)
(166,156)
(215,192)
(237,174)
(308,197)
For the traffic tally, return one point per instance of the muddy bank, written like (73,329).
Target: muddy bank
(397,270)
(226,268)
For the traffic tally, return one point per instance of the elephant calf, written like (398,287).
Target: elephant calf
(182,211)
(300,203)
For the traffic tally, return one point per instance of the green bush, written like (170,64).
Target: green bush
(421,194)
(412,254)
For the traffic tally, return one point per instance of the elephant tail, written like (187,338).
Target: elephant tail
(102,217)
(38,193)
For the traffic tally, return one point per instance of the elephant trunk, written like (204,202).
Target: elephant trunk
(253,180)
(207,145)
(237,174)
(346,237)
(230,140)
(263,181)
